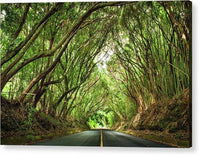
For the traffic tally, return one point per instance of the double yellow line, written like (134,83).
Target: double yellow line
(101,140)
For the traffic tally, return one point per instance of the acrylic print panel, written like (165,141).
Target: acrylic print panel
(96,74)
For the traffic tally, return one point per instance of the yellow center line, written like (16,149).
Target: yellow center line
(101,143)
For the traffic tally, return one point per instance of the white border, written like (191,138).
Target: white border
(64,151)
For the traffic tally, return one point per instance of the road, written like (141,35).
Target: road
(101,138)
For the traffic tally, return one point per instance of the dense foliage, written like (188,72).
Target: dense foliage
(96,64)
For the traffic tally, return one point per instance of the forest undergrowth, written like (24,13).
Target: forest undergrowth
(27,125)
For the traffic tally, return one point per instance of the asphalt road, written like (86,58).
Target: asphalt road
(101,138)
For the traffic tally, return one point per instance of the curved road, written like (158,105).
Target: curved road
(101,138)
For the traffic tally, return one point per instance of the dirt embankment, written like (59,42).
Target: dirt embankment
(167,121)
(25,125)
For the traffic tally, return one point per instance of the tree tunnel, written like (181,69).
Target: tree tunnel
(98,64)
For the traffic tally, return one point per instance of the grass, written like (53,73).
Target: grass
(161,138)
(31,139)
(168,140)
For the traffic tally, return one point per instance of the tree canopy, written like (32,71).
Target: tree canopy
(94,63)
